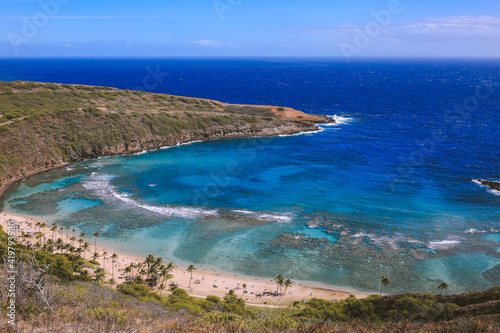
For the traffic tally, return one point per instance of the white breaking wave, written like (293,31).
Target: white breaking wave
(188,143)
(272,217)
(243,211)
(488,189)
(100,185)
(265,216)
(442,245)
(302,133)
(473,231)
(339,120)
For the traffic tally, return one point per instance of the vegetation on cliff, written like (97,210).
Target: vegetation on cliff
(43,125)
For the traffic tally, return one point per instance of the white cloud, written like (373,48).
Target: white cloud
(207,43)
(444,27)
(455,26)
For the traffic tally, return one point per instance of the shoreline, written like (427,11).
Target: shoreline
(10,183)
(207,278)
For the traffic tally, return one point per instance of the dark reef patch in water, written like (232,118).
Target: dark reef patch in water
(493,274)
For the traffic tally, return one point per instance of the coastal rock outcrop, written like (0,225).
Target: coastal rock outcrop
(491,184)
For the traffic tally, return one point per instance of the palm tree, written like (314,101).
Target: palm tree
(127,270)
(287,284)
(132,266)
(443,286)
(43,225)
(140,271)
(161,288)
(95,241)
(59,244)
(155,269)
(104,254)
(73,232)
(279,282)
(67,232)
(150,260)
(38,225)
(384,282)
(153,265)
(85,247)
(71,248)
(53,229)
(170,266)
(295,304)
(50,245)
(99,274)
(72,239)
(64,247)
(190,269)
(165,272)
(82,235)
(113,260)
(79,263)
(96,255)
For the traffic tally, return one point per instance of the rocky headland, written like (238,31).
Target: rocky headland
(46,125)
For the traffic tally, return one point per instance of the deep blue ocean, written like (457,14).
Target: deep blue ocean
(390,189)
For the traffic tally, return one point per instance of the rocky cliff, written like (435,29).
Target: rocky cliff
(45,126)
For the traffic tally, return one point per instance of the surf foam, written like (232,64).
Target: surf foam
(488,189)
(101,186)
(443,245)
(339,120)
(265,216)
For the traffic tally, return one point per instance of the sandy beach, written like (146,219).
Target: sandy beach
(206,281)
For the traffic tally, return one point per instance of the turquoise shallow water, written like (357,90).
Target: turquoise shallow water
(318,207)
(267,218)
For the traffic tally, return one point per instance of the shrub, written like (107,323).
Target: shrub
(234,304)
(180,300)
(220,318)
(133,289)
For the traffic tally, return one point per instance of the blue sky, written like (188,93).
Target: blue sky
(334,28)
